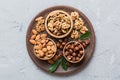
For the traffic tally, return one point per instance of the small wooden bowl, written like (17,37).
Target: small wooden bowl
(71,60)
(46,24)
(52,55)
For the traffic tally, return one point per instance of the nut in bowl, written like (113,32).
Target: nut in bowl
(58,24)
(73,52)
(45,49)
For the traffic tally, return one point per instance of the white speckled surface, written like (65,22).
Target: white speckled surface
(15,16)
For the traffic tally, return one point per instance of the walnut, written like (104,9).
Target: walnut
(74,15)
(74,34)
(78,24)
(83,30)
(40,24)
(58,23)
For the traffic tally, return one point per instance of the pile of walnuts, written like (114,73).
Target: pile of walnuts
(78,25)
(40,25)
(58,23)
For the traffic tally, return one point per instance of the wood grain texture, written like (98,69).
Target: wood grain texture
(88,52)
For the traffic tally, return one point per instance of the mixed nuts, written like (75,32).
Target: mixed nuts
(65,51)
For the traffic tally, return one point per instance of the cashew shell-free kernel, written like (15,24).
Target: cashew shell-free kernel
(41,53)
(44,50)
(48,47)
(53,48)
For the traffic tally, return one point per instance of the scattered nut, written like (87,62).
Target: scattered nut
(40,26)
(74,34)
(33,37)
(50,61)
(32,41)
(34,31)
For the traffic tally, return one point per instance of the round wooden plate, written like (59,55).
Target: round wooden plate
(43,64)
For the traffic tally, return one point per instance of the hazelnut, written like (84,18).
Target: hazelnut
(61,47)
(69,46)
(66,53)
(74,54)
(84,45)
(69,57)
(81,52)
(70,50)
(60,54)
(73,59)
(50,61)
(58,44)
(80,46)
(87,42)
(72,46)
(68,64)
(65,39)
(77,58)
(66,47)
(76,48)
(55,58)
(63,43)
(79,55)
(60,40)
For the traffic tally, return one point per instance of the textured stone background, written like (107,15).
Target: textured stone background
(15,16)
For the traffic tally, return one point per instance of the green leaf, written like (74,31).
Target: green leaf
(85,36)
(54,66)
(64,66)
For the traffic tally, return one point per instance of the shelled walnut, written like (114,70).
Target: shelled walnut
(83,29)
(78,25)
(58,23)
(40,25)
(75,34)
(74,15)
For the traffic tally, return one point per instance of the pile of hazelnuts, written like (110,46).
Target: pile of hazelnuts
(73,52)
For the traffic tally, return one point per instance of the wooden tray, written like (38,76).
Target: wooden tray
(43,64)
